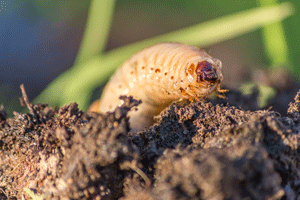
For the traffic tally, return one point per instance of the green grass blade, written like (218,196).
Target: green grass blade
(53,92)
(275,43)
(97,29)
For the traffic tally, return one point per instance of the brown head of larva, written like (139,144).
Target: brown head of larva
(206,73)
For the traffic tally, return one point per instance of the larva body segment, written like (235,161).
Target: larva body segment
(158,75)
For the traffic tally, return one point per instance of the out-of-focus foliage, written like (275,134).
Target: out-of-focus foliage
(96,33)
(265,93)
(275,40)
(292,31)
(82,79)
(39,40)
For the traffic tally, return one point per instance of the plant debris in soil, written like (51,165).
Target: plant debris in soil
(216,149)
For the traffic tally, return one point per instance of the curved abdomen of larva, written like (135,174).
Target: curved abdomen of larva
(157,75)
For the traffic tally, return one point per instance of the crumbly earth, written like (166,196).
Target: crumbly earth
(215,149)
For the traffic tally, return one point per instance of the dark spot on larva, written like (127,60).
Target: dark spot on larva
(186,74)
(181,81)
(172,77)
(157,70)
(151,68)
(166,74)
(135,63)
(191,69)
(131,72)
(120,86)
(143,67)
(166,91)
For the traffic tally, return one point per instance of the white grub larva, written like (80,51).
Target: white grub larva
(158,75)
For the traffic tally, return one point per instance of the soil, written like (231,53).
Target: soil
(214,149)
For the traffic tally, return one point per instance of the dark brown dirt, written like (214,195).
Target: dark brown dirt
(216,149)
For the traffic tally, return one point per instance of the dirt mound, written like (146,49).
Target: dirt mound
(217,149)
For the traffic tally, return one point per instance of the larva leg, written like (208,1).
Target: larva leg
(218,90)
(197,99)
(185,94)
(221,96)
(195,95)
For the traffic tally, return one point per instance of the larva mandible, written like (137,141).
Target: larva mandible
(158,75)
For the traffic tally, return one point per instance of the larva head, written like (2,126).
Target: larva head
(206,72)
(205,76)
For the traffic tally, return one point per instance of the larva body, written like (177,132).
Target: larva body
(158,75)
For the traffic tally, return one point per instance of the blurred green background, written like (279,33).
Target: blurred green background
(73,46)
